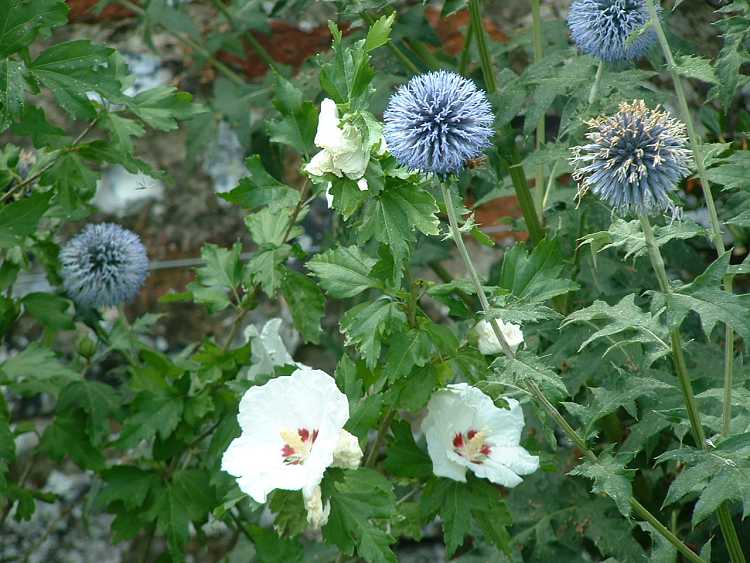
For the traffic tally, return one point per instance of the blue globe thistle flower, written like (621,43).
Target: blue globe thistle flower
(601,28)
(103,265)
(438,121)
(634,159)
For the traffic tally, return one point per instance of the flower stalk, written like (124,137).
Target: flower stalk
(484,54)
(716,235)
(537,393)
(597,80)
(678,358)
(523,195)
(463,64)
(541,127)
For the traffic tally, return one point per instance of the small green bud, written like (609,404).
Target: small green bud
(86,347)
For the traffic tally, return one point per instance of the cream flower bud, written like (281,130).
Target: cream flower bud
(487,339)
(347,454)
(344,150)
(317,512)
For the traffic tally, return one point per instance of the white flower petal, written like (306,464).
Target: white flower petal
(321,164)
(351,157)
(488,342)
(445,416)
(515,458)
(362,185)
(347,454)
(329,195)
(329,135)
(497,473)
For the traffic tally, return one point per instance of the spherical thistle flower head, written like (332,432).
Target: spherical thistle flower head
(104,265)
(601,28)
(634,159)
(438,121)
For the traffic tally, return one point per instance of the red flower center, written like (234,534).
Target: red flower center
(297,445)
(472,446)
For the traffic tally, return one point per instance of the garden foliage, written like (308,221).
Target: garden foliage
(633,381)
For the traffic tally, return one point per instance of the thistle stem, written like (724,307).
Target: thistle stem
(597,80)
(523,194)
(484,55)
(641,510)
(725,521)
(515,169)
(678,358)
(456,233)
(536,392)
(541,127)
(716,236)
(463,64)
(688,120)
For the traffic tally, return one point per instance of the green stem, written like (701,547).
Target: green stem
(523,194)
(664,531)
(463,64)
(688,120)
(535,391)
(34,177)
(657,262)
(597,80)
(726,415)
(259,49)
(678,358)
(456,233)
(385,424)
(555,414)
(541,127)
(716,236)
(218,65)
(725,521)
(484,55)
(730,534)
(424,54)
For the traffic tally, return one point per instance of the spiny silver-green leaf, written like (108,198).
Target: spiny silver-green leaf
(705,297)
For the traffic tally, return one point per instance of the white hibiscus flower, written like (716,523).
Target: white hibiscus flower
(344,150)
(488,342)
(465,430)
(291,429)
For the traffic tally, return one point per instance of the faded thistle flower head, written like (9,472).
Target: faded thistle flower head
(103,265)
(633,160)
(601,28)
(438,121)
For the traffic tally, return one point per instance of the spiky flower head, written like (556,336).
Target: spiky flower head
(438,121)
(634,159)
(601,28)
(103,265)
